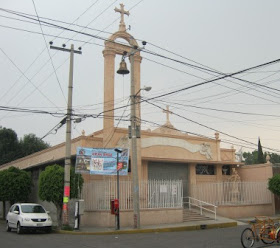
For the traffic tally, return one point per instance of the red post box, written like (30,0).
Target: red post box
(115,206)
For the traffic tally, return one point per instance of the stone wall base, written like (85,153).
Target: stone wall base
(245,211)
(147,217)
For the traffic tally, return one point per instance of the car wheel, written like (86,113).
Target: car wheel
(19,229)
(8,229)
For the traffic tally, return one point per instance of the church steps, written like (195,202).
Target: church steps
(193,215)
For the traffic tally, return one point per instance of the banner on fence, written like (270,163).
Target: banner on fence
(101,161)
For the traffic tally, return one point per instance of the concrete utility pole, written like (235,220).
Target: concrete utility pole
(134,128)
(67,166)
(134,167)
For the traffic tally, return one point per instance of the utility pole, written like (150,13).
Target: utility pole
(134,130)
(134,167)
(67,166)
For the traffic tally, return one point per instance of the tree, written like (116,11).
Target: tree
(9,145)
(2,199)
(11,148)
(30,144)
(274,158)
(261,158)
(51,186)
(251,158)
(15,185)
(274,184)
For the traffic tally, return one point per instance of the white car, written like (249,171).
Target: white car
(28,216)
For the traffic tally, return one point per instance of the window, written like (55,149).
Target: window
(205,169)
(32,209)
(14,208)
(226,169)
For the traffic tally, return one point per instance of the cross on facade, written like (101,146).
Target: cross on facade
(122,12)
(167,113)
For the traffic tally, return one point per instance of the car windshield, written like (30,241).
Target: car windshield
(32,209)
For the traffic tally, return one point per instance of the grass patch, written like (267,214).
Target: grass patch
(67,228)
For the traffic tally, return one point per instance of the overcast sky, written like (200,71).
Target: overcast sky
(218,36)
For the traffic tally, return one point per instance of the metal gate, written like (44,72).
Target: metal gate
(169,171)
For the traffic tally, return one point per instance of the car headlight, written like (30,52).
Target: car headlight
(49,219)
(26,219)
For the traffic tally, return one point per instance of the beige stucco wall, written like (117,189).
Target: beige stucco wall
(245,211)
(172,149)
(255,173)
(53,154)
(206,179)
(227,154)
(168,153)
(148,217)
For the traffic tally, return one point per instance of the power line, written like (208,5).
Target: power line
(162,56)
(225,75)
(68,39)
(216,79)
(50,35)
(199,84)
(115,128)
(208,69)
(55,37)
(22,73)
(224,111)
(213,129)
(46,44)
(56,114)
(55,128)
(55,20)
(198,135)
(239,91)
(236,121)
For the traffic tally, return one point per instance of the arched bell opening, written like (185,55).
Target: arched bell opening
(118,44)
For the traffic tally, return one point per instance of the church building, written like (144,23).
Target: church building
(175,161)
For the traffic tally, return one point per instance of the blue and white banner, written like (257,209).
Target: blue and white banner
(101,161)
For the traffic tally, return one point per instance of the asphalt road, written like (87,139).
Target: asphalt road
(218,238)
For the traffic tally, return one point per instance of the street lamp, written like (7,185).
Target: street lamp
(123,70)
(146,88)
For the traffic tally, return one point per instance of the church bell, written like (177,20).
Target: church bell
(123,69)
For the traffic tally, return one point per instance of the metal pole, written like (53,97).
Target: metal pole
(134,167)
(118,195)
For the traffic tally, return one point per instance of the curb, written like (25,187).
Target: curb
(151,230)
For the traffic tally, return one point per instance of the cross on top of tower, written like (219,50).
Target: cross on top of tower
(167,114)
(122,12)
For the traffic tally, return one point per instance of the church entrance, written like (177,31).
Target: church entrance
(169,171)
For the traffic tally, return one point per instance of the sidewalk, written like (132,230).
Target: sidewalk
(221,222)
(187,226)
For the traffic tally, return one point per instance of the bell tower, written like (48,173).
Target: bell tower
(109,53)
